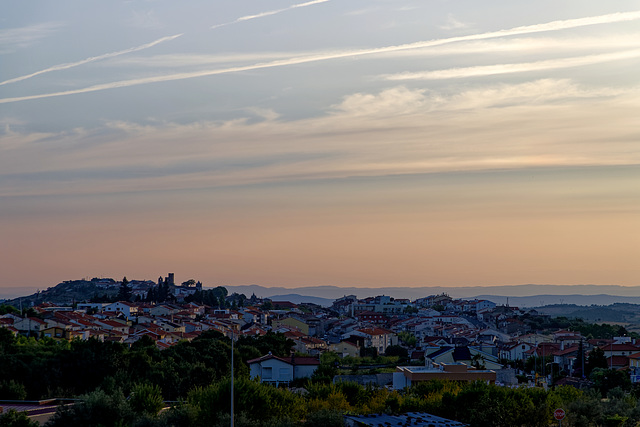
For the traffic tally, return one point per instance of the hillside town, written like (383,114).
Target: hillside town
(435,333)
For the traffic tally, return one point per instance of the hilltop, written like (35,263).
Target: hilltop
(71,291)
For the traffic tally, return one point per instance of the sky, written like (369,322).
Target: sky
(367,143)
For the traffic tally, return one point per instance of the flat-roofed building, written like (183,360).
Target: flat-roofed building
(405,376)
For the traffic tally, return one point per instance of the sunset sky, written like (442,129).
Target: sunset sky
(376,143)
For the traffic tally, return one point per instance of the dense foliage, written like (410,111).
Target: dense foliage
(122,386)
(259,405)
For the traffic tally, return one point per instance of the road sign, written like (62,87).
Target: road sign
(559,414)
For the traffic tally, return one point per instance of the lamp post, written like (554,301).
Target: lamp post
(232,421)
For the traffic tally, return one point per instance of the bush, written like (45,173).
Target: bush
(98,409)
(146,399)
(13,418)
(12,390)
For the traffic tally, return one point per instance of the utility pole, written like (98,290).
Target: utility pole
(611,355)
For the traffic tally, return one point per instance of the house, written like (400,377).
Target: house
(372,317)
(128,309)
(172,327)
(618,362)
(114,326)
(517,351)
(377,338)
(86,306)
(349,347)
(280,370)
(30,325)
(614,349)
(634,367)
(291,322)
(164,310)
(567,338)
(309,345)
(566,358)
(56,332)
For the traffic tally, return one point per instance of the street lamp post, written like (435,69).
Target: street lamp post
(232,421)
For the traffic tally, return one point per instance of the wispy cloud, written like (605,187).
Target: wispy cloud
(13,38)
(453,24)
(395,131)
(488,70)
(537,28)
(269,13)
(68,65)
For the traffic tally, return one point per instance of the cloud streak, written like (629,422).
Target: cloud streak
(489,70)
(529,29)
(68,65)
(269,13)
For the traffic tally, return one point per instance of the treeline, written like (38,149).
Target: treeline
(586,329)
(37,369)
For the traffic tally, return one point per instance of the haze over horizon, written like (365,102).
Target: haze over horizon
(303,143)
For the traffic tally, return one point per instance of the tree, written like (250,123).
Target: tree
(478,361)
(408,338)
(13,418)
(5,308)
(124,294)
(12,390)
(608,379)
(163,292)
(579,370)
(7,339)
(96,409)
(596,359)
(397,350)
(146,399)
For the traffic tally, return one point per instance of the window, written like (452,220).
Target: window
(267,373)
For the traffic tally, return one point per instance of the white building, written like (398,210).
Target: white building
(128,309)
(278,370)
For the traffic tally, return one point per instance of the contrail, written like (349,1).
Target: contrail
(269,13)
(550,26)
(490,70)
(91,59)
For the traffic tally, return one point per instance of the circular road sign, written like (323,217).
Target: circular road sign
(559,414)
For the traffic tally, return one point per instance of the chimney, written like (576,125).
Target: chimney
(293,357)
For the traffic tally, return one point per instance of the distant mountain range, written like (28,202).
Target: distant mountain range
(517,295)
